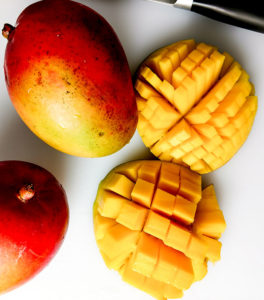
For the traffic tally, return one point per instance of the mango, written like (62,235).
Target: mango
(157,227)
(69,80)
(34,216)
(196,105)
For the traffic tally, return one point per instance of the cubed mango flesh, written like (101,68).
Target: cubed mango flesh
(197,91)
(155,225)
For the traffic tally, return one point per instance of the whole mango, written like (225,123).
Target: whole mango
(34,217)
(69,80)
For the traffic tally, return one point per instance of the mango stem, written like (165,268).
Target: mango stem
(7,29)
(26,193)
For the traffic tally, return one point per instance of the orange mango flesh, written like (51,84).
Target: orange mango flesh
(196,105)
(155,225)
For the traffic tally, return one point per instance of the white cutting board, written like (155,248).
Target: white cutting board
(78,272)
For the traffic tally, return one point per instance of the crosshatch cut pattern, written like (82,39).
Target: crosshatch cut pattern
(196,105)
(155,225)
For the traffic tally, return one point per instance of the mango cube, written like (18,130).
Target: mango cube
(120,185)
(177,237)
(142,192)
(132,215)
(163,202)
(146,255)
(184,210)
(110,205)
(118,239)
(156,225)
(166,267)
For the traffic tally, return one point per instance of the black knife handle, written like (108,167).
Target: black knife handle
(247,14)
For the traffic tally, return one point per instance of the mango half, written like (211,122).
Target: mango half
(155,225)
(196,105)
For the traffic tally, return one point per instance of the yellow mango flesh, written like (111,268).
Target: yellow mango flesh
(155,225)
(196,105)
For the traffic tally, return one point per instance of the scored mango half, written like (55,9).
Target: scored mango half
(155,225)
(196,105)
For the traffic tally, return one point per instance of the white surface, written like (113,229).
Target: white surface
(78,272)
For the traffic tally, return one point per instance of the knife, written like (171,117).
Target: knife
(245,14)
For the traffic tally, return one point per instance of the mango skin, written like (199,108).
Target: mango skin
(32,231)
(69,80)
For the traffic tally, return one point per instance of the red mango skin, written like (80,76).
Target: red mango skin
(31,232)
(69,80)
